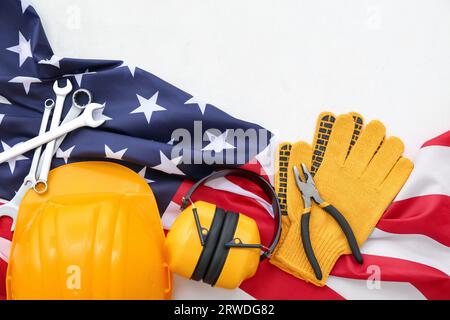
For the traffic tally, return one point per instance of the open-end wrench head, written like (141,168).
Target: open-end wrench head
(62,91)
(93,115)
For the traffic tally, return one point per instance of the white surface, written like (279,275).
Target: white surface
(278,64)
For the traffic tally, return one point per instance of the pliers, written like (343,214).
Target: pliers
(309,191)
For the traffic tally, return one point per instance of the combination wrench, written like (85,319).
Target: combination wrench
(80,99)
(61,93)
(91,117)
(11,208)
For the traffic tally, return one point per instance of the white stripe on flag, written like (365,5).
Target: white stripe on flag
(169,216)
(223,184)
(430,175)
(412,247)
(185,289)
(356,289)
(266,159)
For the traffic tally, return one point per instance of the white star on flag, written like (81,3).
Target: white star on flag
(218,143)
(266,158)
(1,118)
(53,61)
(25,4)
(25,81)
(201,104)
(130,66)
(23,49)
(64,154)
(148,106)
(142,174)
(12,162)
(4,100)
(114,155)
(169,165)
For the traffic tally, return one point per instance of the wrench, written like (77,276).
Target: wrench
(11,209)
(40,186)
(77,107)
(91,117)
(61,94)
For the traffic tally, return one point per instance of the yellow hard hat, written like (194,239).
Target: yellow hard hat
(95,234)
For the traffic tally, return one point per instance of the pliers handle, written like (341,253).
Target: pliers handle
(309,191)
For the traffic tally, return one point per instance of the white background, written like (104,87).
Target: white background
(278,63)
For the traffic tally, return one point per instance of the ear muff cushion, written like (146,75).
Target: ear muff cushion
(210,245)
(221,253)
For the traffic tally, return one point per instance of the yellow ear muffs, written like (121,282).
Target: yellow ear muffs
(95,234)
(230,266)
(220,255)
(221,248)
(187,257)
(240,264)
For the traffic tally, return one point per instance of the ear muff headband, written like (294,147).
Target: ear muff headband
(261,182)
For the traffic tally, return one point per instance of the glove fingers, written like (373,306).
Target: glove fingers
(359,123)
(324,128)
(283,154)
(396,178)
(384,160)
(340,139)
(367,145)
(301,152)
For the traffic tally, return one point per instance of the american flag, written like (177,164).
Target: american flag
(408,252)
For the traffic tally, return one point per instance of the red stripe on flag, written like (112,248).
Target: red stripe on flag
(272,283)
(442,140)
(5,232)
(432,283)
(427,215)
(249,186)
(255,167)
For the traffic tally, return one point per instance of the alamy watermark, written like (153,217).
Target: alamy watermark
(213,146)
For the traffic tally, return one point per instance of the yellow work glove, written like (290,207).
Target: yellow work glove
(290,155)
(360,184)
(284,176)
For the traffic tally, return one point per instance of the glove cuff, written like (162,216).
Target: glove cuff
(291,257)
